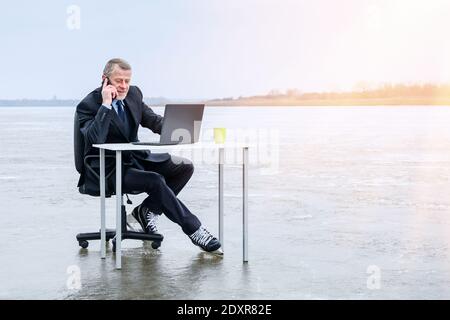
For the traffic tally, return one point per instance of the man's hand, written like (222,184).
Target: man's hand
(109,92)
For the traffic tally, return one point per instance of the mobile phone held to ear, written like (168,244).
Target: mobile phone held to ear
(108,82)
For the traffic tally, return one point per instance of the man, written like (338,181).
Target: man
(112,114)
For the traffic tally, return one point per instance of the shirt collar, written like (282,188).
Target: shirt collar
(114,103)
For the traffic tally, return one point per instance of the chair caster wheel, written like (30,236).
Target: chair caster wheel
(83,243)
(156,244)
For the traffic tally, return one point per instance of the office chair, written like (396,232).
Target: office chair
(80,160)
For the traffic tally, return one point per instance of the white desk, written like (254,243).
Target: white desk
(119,147)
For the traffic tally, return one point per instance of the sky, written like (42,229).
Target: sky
(202,49)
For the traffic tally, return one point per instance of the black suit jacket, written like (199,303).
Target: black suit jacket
(99,124)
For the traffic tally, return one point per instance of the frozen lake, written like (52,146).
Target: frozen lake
(344,203)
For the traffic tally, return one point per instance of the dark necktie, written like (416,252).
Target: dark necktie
(120,110)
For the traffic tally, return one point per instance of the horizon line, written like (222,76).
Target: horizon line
(364,86)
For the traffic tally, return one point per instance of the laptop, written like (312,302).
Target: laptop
(181,125)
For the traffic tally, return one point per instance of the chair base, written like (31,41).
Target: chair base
(156,239)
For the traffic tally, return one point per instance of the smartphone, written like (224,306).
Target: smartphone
(108,82)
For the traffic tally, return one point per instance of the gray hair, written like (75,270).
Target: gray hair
(116,61)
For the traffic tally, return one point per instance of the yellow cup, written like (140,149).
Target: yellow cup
(220,135)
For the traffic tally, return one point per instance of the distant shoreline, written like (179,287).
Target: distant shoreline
(261,101)
(255,106)
(257,103)
(331,103)
(385,95)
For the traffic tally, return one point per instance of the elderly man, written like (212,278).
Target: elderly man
(112,114)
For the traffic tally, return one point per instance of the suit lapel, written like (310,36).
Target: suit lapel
(131,105)
(134,109)
(119,125)
(115,119)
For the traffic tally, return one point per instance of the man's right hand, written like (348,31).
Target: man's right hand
(109,92)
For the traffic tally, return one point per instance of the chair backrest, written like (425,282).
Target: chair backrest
(78,151)
(78,144)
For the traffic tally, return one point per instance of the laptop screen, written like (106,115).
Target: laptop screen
(182,123)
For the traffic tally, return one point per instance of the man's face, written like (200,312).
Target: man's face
(120,79)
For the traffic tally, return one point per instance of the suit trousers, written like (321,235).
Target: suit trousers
(162,181)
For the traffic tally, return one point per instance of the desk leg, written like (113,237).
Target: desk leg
(118,209)
(245,204)
(102,205)
(221,163)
